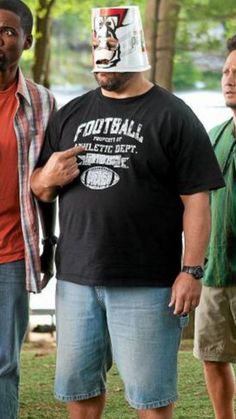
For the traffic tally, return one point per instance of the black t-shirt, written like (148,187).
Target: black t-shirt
(121,219)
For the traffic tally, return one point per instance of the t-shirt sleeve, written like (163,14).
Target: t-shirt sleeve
(50,144)
(195,164)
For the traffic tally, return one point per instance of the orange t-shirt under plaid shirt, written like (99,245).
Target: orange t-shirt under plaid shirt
(11,237)
(31,111)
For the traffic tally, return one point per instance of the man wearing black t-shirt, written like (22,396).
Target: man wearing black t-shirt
(132,166)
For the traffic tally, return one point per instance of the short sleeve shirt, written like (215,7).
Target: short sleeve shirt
(121,219)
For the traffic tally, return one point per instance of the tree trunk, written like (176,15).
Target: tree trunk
(150,30)
(41,65)
(164,48)
(166,33)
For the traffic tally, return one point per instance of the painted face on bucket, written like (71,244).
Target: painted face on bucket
(118,40)
(106,45)
(105,42)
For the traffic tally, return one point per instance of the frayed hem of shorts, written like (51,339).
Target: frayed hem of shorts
(152,405)
(214,357)
(79,397)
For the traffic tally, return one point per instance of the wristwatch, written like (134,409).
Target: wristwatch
(195,271)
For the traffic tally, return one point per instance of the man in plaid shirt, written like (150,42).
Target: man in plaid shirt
(25,109)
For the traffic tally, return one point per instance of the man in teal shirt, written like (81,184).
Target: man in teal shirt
(215,322)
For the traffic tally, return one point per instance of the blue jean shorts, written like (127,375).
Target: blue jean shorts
(133,326)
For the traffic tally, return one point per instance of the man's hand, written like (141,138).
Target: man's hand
(185,294)
(61,168)
(47,262)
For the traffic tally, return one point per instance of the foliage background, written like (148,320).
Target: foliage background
(203,27)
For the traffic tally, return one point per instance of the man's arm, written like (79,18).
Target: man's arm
(186,289)
(60,169)
(47,215)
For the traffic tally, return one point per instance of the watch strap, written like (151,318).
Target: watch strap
(195,271)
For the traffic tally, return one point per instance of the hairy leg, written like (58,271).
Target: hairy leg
(165,412)
(87,409)
(220,382)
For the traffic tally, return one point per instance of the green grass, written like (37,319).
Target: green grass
(36,391)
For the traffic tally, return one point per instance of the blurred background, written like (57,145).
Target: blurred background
(185,40)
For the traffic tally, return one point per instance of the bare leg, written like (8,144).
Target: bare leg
(220,382)
(87,409)
(160,413)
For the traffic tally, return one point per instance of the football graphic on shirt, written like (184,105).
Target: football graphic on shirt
(99,177)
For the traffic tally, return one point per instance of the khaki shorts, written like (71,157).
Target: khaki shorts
(215,325)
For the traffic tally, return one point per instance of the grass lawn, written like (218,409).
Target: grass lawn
(36,391)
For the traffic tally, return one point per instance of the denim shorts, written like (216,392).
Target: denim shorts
(133,326)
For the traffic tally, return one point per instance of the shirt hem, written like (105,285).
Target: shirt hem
(117,282)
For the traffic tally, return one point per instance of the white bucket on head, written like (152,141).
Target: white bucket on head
(118,40)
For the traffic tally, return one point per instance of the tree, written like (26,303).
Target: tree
(41,65)
(150,29)
(173,29)
(185,26)
(161,37)
(45,11)
(165,41)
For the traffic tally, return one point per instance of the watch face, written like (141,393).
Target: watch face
(195,271)
(198,272)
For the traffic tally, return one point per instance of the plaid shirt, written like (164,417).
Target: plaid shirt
(35,105)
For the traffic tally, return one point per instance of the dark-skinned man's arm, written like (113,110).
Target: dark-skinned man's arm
(47,215)
(60,169)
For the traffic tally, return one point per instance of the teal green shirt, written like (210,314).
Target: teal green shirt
(221,266)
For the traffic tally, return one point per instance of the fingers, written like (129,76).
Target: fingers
(71,171)
(72,174)
(182,307)
(73,152)
(179,303)
(173,298)
(68,177)
(69,161)
(185,295)
(62,167)
(185,305)
(45,280)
